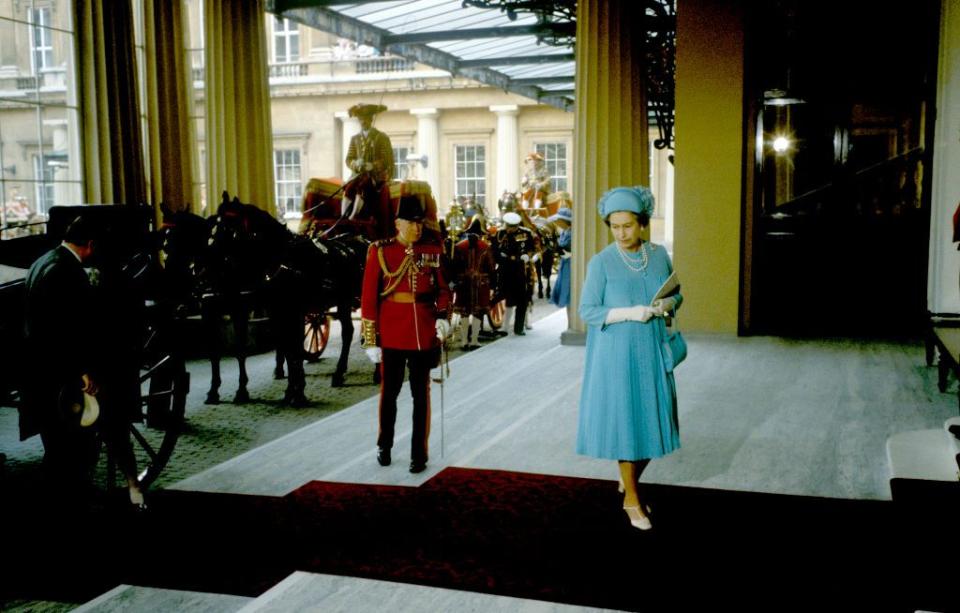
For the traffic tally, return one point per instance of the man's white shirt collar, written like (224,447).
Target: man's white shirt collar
(72,252)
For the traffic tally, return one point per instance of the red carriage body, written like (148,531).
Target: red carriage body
(323,207)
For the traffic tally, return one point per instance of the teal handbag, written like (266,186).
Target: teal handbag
(673,348)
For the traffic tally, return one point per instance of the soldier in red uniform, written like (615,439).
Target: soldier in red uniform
(474,273)
(403,309)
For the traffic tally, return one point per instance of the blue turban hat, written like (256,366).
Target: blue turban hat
(637,200)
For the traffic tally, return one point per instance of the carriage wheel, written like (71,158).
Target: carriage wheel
(316,333)
(495,314)
(164,383)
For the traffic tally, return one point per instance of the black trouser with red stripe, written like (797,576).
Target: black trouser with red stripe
(395,362)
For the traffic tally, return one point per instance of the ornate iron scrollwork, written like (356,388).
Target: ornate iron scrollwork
(660,46)
(547,12)
(559,10)
(660,51)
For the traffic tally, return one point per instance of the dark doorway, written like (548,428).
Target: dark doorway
(840,129)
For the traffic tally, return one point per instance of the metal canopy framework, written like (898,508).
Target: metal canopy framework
(463,40)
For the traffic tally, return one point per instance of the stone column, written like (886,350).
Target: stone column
(428,143)
(349,126)
(508,150)
(610,147)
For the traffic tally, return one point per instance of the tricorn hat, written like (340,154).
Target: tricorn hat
(562,197)
(366,110)
(410,209)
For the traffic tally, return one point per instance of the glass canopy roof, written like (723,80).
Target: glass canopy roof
(479,43)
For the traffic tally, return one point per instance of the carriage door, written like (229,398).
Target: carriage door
(837,226)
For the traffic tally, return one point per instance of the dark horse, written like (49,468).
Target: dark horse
(242,259)
(320,274)
(549,248)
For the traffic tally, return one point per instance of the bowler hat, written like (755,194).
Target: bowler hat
(410,209)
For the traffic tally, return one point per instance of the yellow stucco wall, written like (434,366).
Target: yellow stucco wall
(707,213)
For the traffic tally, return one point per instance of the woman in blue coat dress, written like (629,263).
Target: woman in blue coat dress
(561,291)
(628,403)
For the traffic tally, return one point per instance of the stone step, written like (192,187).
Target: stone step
(922,454)
(148,599)
(304,591)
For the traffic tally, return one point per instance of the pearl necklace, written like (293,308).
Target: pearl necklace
(630,262)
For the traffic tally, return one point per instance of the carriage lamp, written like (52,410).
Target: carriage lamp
(417,158)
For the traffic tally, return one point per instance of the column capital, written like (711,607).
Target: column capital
(508,110)
(425,112)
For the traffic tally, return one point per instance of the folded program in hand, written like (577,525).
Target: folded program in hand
(670,287)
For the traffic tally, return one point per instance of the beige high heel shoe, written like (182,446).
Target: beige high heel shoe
(637,519)
(622,490)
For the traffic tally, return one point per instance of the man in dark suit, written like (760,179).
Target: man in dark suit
(59,350)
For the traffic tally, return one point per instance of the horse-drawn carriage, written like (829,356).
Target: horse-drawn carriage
(129,282)
(328,224)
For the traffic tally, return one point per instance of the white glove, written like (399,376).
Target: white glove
(664,305)
(375,354)
(357,165)
(443,328)
(639,313)
(536,257)
(525,257)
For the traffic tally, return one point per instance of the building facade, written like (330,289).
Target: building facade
(463,137)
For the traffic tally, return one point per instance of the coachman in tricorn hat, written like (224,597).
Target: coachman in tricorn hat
(403,309)
(370,156)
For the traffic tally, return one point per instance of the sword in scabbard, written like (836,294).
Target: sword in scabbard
(444,363)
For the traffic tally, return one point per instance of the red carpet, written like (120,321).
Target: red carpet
(532,536)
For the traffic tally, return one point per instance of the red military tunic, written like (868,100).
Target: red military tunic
(404,293)
(474,272)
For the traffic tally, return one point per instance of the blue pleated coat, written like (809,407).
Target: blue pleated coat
(628,402)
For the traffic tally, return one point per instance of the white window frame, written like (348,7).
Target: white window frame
(43,188)
(288,33)
(473,175)
(543,148)
(42,51)
(285,184)
(32,169)
(401,170)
